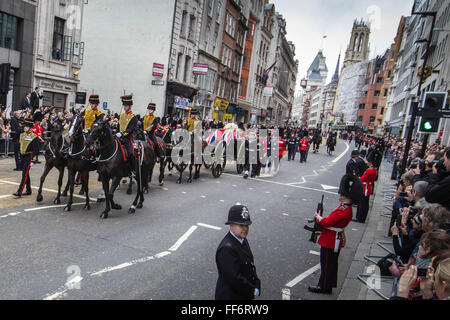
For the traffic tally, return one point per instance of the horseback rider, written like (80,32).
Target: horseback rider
(90,115)
(127,124)
(149,127)
(192,123)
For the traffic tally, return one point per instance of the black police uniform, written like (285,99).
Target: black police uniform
(237,273)
(292,142)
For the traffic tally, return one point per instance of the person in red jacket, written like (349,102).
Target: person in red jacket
(303,147)
(332,237)
(367,180)
(281,148)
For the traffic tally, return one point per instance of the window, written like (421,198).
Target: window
(186,69)
(380,80)
(360,118)
(177,71)
(226,56)
(382,111)
(230,27)
(191,32)
(375,106)
(389,73)
(385,92)
(58,39)
(237,64)
(372,119)
(361,106)
(377,93)
(183,25)
(216,35)
(8,31)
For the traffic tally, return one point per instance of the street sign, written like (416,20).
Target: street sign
(200,69)
(157,82)
(105,105)
(158,70)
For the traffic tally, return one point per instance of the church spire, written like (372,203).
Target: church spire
(336,73)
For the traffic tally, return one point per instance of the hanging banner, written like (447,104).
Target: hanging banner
(200,69)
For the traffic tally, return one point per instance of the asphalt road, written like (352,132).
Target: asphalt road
(167,249)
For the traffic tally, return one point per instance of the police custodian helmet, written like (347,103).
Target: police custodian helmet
(239,214)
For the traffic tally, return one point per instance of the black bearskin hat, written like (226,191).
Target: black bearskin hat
(351,187)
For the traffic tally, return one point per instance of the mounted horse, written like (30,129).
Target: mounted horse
(114,164)
(54,158)
(79,160)
(317,140)
(331,143)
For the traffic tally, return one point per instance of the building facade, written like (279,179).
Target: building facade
(17,31)
(132,53)
(58,51)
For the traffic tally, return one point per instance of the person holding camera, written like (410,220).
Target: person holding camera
(439,182)
(332,237)
(405,241)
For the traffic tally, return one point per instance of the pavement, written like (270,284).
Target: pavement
(375,232)
(166,250)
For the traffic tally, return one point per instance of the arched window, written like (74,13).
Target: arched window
(355,41)
(361,42)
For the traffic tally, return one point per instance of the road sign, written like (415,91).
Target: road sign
(105,105)
(157,82)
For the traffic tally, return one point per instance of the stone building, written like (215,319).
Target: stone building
(17,31)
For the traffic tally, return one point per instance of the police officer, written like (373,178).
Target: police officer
(237,273)
(332,237)
(352,166)
(29,146)
(90,115)
(127,123)
(292,142)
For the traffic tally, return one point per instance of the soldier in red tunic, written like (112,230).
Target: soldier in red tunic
(367,180)
(332,237)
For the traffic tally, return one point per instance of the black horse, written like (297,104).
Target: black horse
(54,158)
(162,145)
(317,139)
(114,164)
(79,160)
(331,143)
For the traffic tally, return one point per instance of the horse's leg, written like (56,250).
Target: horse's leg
(70,182)
(47,169)
(66,189)
(85,177)
(60,180)
(130,186)
(114,184)
(162,166)
(105,182)
(180,170)
(138,185)
(145,173)
(189,180)
(197,171)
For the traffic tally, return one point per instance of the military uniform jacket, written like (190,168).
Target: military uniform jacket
(148,120)
(28,143)
(237,273)
(338,219)
(192,124)
(367,180)
(89,117)
(127,123)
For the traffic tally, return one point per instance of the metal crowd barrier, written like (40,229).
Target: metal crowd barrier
(7,146)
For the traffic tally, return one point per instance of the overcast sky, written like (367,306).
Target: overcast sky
(309,20)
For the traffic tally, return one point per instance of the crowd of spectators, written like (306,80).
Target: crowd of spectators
(420,223)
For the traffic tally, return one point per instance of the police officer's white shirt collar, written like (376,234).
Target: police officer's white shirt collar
(239,239)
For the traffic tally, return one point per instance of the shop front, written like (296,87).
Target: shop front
(178,98)
(220,109)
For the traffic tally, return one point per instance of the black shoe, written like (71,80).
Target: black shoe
(16,169)
(28,193)
(17,194)
(317,289)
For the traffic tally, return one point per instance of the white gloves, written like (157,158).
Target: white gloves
(86,131)
(118,135)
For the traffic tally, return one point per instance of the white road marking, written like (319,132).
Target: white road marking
(285,214)
(208,226)
(183,192)
(354,229)
(285,196)
(304,199)
(285,184)
(165,189)
(302,276)
(5,196)
(342,154)
(203,197)
(314,252)
(327,187)
(43,189)
(55,206)
(263,209)
(233,185)
(10,215)
(222,200)
(183,238)
(285,294)
(267,191)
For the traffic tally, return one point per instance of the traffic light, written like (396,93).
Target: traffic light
(431,118)
(4,77)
